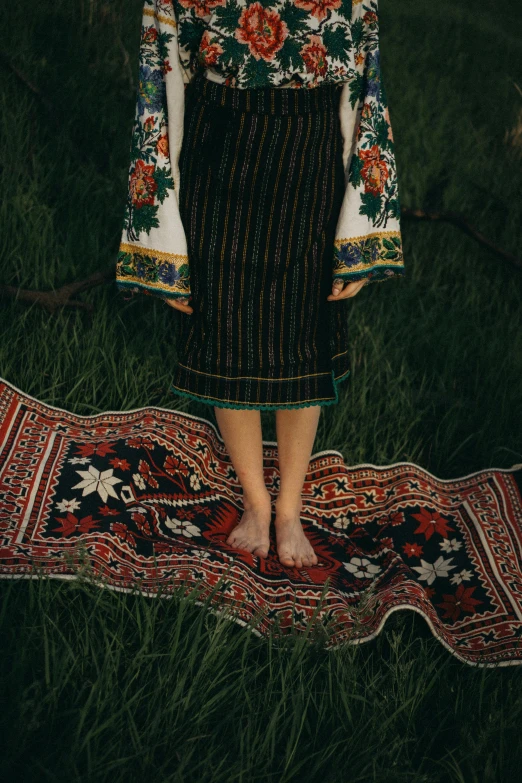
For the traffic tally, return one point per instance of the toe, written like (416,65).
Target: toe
(260,551)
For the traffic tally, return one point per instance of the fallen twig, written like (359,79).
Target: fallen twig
(462,223)
(61,297)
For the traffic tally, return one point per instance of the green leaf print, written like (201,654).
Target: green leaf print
(228,17)
(296,19)
(164,181)
(257,72)
(370,205)
(357,32)
(144,219)
(233,51)
(355,171)
(338,43)
(289,55)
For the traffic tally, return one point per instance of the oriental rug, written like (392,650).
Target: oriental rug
(145,500)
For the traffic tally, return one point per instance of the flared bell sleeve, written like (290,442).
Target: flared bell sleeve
(152,256)
(368,242)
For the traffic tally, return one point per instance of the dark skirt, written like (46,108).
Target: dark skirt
(262,182)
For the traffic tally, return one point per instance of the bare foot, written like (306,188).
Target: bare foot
(252,531)
(293,547)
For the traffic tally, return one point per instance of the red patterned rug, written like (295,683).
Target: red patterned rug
(146,499)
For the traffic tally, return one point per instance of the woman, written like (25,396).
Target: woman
(262,190)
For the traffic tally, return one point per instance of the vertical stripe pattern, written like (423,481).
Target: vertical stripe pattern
(261,187)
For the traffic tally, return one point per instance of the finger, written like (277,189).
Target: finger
(350,290)
(179,304)
(337,286)
(183,307)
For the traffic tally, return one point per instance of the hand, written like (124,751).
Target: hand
(338,292)
(180,304)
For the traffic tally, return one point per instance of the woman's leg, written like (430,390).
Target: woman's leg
(241,431)
(296,430)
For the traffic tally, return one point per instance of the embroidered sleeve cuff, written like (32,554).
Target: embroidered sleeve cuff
(142,270)
(376,257)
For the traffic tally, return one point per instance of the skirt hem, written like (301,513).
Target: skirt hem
(260,406)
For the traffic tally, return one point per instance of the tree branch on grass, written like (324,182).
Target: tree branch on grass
(61,297)
(460,222)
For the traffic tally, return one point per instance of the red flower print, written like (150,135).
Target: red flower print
(175,465)
(263,30)
(397,518)
(163,145)
(166,66)
(85,524)
(89,449)
(432,522)
(149,124)
(140,443)
(122,464)
(144,469)
(209,51)
(150,35)
(460,602)
(141,523)
(370,18)
(123,532)
(68,525)
(314,56)
(366,111)
(319,8)
(374,171)
(412,550)
(202,7)
(105,511)
(71,524)
(142,185)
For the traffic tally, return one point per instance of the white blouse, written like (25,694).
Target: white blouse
(294,44)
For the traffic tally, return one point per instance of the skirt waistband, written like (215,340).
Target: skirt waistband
(268,100)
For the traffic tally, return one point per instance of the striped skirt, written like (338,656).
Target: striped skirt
(261,187)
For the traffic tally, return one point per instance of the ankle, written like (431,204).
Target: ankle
(288,508)
(260,500)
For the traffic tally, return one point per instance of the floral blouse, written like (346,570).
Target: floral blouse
(293,44)
(280,43)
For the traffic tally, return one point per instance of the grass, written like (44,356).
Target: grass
(106,686)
